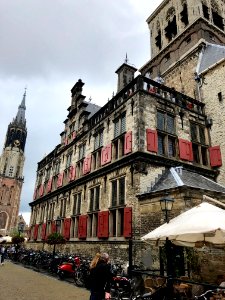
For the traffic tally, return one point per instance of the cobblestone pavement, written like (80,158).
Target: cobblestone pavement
(19,283)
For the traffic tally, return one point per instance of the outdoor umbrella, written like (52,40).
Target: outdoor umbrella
(5,239)
(202,223)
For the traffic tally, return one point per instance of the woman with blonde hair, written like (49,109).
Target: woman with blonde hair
(95,260)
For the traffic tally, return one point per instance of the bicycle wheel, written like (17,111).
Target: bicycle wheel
(78,279)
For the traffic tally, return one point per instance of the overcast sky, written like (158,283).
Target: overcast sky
(46,46)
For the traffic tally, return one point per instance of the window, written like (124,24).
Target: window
(74,227)
(171,29)
(199,146)
(220,96)
(158,40)
(119,125)
(98,140)
(116,222)
(94,198)
(68,160)
(118,192)
(82,149)
(217,20)
(63,208)
(47,176)
(96,160)
(184,15)
(76,204)
(57,167)
(92,225)
(166,134)
(205,11)
(118,148)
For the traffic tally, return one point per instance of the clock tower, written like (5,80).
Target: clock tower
(11,170)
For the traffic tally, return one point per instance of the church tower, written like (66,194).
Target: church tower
(11,170)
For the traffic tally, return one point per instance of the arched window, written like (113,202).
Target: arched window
(3,220)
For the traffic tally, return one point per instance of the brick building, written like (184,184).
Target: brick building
(101,185)
(11,170)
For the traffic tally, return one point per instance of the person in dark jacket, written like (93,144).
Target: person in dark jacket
(100,279)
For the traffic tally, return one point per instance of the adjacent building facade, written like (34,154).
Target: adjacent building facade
(11,170)
(101,186)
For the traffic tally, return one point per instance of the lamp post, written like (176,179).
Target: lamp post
(20,228)
(166,204)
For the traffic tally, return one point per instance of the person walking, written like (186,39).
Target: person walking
(100,277)
(3,252)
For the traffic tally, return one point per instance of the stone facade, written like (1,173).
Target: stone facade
(95,187)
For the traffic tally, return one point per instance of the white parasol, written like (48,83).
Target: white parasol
(202,223)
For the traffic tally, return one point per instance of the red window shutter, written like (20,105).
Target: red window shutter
(72,173)
(152,140)
(127,225)
(66,141)
(87,165)
(41,190)
(106,154)
(215,156)
(82,227)
(103,224)
(84,166)
(74,134)
(185,148)
(103,156)
(53,227)
(60,179)
(35,233)
(66,231)
(43,231)
(128,142)
(49,185)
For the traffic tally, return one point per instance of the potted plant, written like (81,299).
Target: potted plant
(55,239)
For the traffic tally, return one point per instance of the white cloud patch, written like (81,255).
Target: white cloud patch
(48,47)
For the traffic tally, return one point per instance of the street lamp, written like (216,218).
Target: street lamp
(20,228)
(166,204)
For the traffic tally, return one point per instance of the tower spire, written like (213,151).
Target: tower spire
(20,117)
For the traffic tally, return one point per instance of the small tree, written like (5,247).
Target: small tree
(17,240)
(55,239)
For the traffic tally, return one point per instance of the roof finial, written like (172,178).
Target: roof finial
(126,59)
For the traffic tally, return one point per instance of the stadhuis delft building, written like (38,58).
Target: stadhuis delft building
(162,133)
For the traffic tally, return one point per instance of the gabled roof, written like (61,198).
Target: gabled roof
(211,54)
(176,177)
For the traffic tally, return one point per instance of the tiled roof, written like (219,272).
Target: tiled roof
(92,108)
(175,177)
(212,54)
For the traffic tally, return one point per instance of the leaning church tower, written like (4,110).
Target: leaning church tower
(11,170)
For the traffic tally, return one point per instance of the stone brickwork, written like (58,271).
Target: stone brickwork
(215,109)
